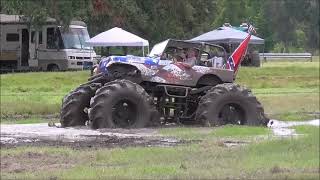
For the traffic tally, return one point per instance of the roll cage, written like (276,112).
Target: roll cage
(166,49)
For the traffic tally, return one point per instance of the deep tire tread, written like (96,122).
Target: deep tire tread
(210,98)
(99,103)
(72,108)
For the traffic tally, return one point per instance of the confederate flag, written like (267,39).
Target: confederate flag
(235,59)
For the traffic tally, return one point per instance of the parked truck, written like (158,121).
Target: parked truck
(50,47)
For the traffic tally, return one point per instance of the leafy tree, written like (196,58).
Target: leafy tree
(29,9)
(291,25)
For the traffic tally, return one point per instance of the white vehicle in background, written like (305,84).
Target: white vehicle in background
(52,47)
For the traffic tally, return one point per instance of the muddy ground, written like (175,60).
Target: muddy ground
(78,138)
(81,137)
(14,135)
(33,161)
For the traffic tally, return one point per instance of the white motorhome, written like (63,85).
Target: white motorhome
(49,48)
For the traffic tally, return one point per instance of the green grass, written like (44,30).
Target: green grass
(239,131)
(291,106)
(306,130)
(303,75)
(200,133)
(37,93)
(292,158)
(41,83)
(32,120)
(190,133)
(286,89)
(30,105)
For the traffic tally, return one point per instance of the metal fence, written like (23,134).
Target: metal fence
(287,56)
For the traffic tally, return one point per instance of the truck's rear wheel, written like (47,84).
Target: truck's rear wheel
(120,104)
(73,105)
(230,104)
(53,67)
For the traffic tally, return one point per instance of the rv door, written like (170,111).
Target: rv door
(25,47)
(35,40)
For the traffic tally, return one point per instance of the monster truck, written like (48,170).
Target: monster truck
(135,92)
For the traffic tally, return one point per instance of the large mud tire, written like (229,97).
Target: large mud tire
(121,104)
(230,104)
(73,105)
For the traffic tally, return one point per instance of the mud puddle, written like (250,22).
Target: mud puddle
(81,137)
(284,128)
(13,135)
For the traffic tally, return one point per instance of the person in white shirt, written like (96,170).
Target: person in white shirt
(191,58)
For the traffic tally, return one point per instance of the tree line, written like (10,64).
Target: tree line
(286,25)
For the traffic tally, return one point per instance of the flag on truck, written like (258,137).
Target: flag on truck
(236,57)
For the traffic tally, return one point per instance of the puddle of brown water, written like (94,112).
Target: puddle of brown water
(81,137)
(78,137)
(283,128)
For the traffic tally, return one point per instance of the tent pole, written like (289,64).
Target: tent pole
(264,59)
(91,59)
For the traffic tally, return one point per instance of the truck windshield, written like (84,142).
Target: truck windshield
(75,38)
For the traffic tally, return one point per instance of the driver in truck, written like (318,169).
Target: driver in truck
(191,59)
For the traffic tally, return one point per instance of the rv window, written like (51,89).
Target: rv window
(12,37)
(59,39)
(54,40)
(40,37)
(50,39)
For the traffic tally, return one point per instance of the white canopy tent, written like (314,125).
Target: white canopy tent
(118,37)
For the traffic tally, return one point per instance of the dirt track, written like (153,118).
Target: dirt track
(81,137)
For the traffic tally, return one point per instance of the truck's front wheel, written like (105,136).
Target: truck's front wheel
(230,104)
(120,104)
